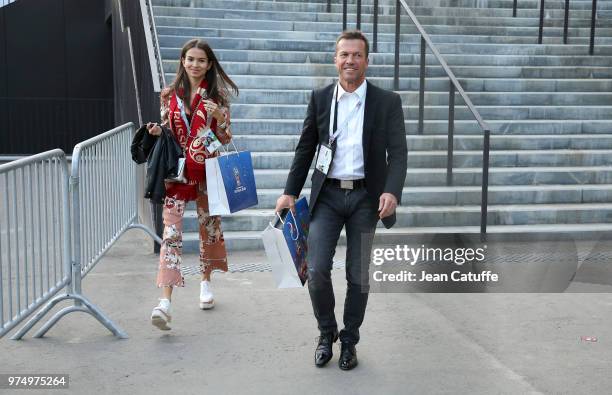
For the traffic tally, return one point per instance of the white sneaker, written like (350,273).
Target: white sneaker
(206,296)
(161,315)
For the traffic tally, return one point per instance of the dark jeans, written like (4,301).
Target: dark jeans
(334,209)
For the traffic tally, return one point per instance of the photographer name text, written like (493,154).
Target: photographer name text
(454,276)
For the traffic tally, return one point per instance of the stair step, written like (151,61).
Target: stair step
(471,176)
(280,143)
(431,127)
(280,15)
(458,35)
(317,70)
(366,9)
(296,111)
(438,159)
(439,84)
(465,215)
(521,5)
(175,41)
(227,55)
(578,37)
(367,28)
(239,241)
(281,96)
(471,195)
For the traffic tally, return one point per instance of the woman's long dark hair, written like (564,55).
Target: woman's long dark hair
(218,81)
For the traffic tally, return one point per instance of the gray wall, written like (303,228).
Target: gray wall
(56,74)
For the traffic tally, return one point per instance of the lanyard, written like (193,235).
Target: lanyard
(334,134)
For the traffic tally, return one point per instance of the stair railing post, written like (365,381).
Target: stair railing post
(593,17)
(514,8)
(375,27)
(358,14)
(343,15)
(328,6)
(485,185)
(422,72)
(397,46)
(451,131)
(566,22)
(541,31)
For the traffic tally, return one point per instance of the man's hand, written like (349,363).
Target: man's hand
(285,201)
(387,204)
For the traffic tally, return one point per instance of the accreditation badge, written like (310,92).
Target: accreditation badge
(324,159)
(211,141)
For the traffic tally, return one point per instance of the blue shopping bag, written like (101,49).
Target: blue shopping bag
(285,242)
(230,183)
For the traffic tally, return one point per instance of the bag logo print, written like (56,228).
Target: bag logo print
(239,187)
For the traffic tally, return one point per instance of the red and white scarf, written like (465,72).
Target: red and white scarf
(188,134)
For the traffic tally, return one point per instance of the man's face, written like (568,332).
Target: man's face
(351,61)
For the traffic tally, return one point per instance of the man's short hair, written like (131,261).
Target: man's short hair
(354,35)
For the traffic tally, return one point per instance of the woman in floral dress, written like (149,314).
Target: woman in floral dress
(195,104)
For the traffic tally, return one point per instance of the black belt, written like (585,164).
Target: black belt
(347,184)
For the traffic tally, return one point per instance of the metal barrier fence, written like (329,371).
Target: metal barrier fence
(34,234)
(104,201)
(104,194)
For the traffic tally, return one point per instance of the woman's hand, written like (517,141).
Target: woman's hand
(213,109)
(154,129)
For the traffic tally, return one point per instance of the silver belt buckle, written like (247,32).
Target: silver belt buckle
(346,184)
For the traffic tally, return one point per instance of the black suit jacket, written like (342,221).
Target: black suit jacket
(384,145)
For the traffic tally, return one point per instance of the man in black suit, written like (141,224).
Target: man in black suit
(356,131)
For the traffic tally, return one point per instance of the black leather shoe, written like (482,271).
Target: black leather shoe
(323,352)
(348,356)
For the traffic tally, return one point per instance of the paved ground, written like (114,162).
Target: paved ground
(260,339)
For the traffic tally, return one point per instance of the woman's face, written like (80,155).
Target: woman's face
(196,63)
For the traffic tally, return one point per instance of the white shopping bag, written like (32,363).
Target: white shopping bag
(279,253)
(215,190)
(230,183)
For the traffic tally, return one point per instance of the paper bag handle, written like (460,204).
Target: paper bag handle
(297,230)
(225,147)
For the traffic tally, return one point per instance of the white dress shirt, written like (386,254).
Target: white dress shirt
(348,157)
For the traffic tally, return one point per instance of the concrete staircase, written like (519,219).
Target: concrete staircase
(550,105)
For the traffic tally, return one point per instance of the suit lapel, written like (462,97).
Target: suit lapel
(369,113)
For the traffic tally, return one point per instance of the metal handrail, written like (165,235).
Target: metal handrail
(358,19)
(541,28)
(565,22)
(454,87)
(593,17)
(344,6)
(444,65)
(161,77)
